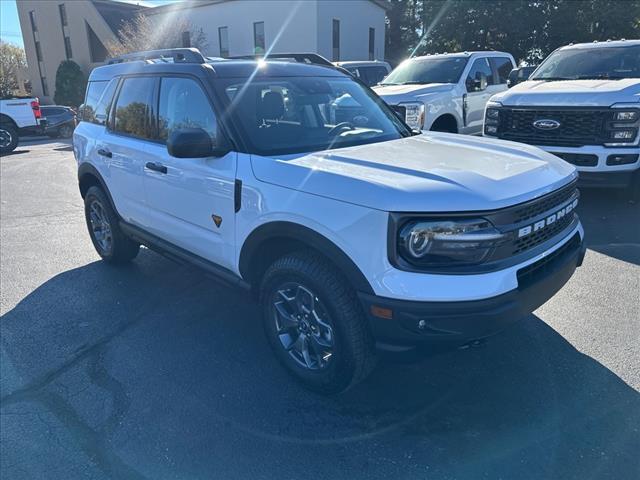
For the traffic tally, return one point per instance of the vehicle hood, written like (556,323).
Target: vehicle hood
(433,172)
(598,93)
(394,94)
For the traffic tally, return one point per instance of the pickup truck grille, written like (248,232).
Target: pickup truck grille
(578,127)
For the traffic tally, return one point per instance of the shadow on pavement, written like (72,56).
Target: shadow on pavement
(15,152)
(611,223)
(156,358)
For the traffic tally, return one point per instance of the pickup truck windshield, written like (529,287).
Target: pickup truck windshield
(427,70)
(591,63)
(305,114)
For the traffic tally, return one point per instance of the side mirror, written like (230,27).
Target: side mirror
(477,84)
(195,143)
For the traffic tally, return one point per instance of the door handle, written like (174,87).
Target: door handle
(156,167)
(105,153)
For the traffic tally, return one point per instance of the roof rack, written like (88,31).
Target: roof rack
(177,55)
(296,57)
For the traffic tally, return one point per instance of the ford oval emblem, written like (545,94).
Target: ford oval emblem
(546,124)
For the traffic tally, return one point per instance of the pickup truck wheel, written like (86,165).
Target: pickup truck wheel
(8,138)
(315,324)
(109,241)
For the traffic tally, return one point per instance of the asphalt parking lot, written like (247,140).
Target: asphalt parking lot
(155,371)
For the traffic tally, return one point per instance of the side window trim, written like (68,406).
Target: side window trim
(154,101)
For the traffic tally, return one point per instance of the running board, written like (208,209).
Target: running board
(181,255)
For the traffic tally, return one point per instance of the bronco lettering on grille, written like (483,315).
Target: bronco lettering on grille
(539,225)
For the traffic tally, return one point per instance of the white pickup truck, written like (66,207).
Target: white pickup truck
(446,92)
(18,116)
(583,105)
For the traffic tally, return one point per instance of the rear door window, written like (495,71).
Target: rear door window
(502,67)
(135,112)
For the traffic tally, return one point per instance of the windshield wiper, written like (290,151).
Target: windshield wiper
(413,82)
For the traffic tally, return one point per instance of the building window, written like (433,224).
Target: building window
(38,51)
(259,44)
(67,48)
(97,50)
(32,19)
(336,40)
(186,39)
(223,39)
(372,43)
(45,88)
(63,14)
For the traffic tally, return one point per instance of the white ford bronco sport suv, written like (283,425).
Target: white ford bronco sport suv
(447,92)
(581,104)
(349,228)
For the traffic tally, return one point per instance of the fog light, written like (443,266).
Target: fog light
(622,159)
(623,134)
(491,129)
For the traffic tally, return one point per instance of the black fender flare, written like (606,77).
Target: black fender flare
(305,235)
(88,170)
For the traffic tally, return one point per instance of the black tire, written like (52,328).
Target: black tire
(65,131)
(8,138)
(352,356)
(120,249)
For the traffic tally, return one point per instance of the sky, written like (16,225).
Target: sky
(10,25)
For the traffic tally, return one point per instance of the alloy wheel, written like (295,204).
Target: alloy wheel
(302,326)
(5,138)
(100,226)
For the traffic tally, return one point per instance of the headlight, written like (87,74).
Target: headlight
(627,134)
(447,242)
(493,114)
(414,115)
(626,116)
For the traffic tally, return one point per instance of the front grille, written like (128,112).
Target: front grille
(541,236)
(578,127)
(543,204)
(530,273)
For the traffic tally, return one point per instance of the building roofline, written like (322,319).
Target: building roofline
(184,5)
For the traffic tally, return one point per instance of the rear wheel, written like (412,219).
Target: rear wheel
(8,138)
(65,131)
(109,241)
(315,324)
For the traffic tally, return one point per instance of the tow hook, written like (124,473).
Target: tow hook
(473,344)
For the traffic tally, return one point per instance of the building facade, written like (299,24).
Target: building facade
(57,30)
(80,30)
(336,29)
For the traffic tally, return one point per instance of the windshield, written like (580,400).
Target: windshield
(591,63)
(427,70)
(305,114)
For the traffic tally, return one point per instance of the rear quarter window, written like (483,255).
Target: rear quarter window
(94,92)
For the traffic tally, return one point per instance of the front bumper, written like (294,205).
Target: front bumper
(600,166)
(409,323)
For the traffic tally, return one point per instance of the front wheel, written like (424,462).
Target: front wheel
(315,324)
(102,221)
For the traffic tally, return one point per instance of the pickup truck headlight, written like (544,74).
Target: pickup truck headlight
(492,119)
(414,114)
(626,116)
(425,243)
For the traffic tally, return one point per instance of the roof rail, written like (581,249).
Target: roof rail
(178,55)
(296,57)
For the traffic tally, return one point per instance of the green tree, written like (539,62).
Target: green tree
(70,84)
(143,33)
(529,29)
(12,61)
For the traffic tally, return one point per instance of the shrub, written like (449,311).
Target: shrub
(70,84)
